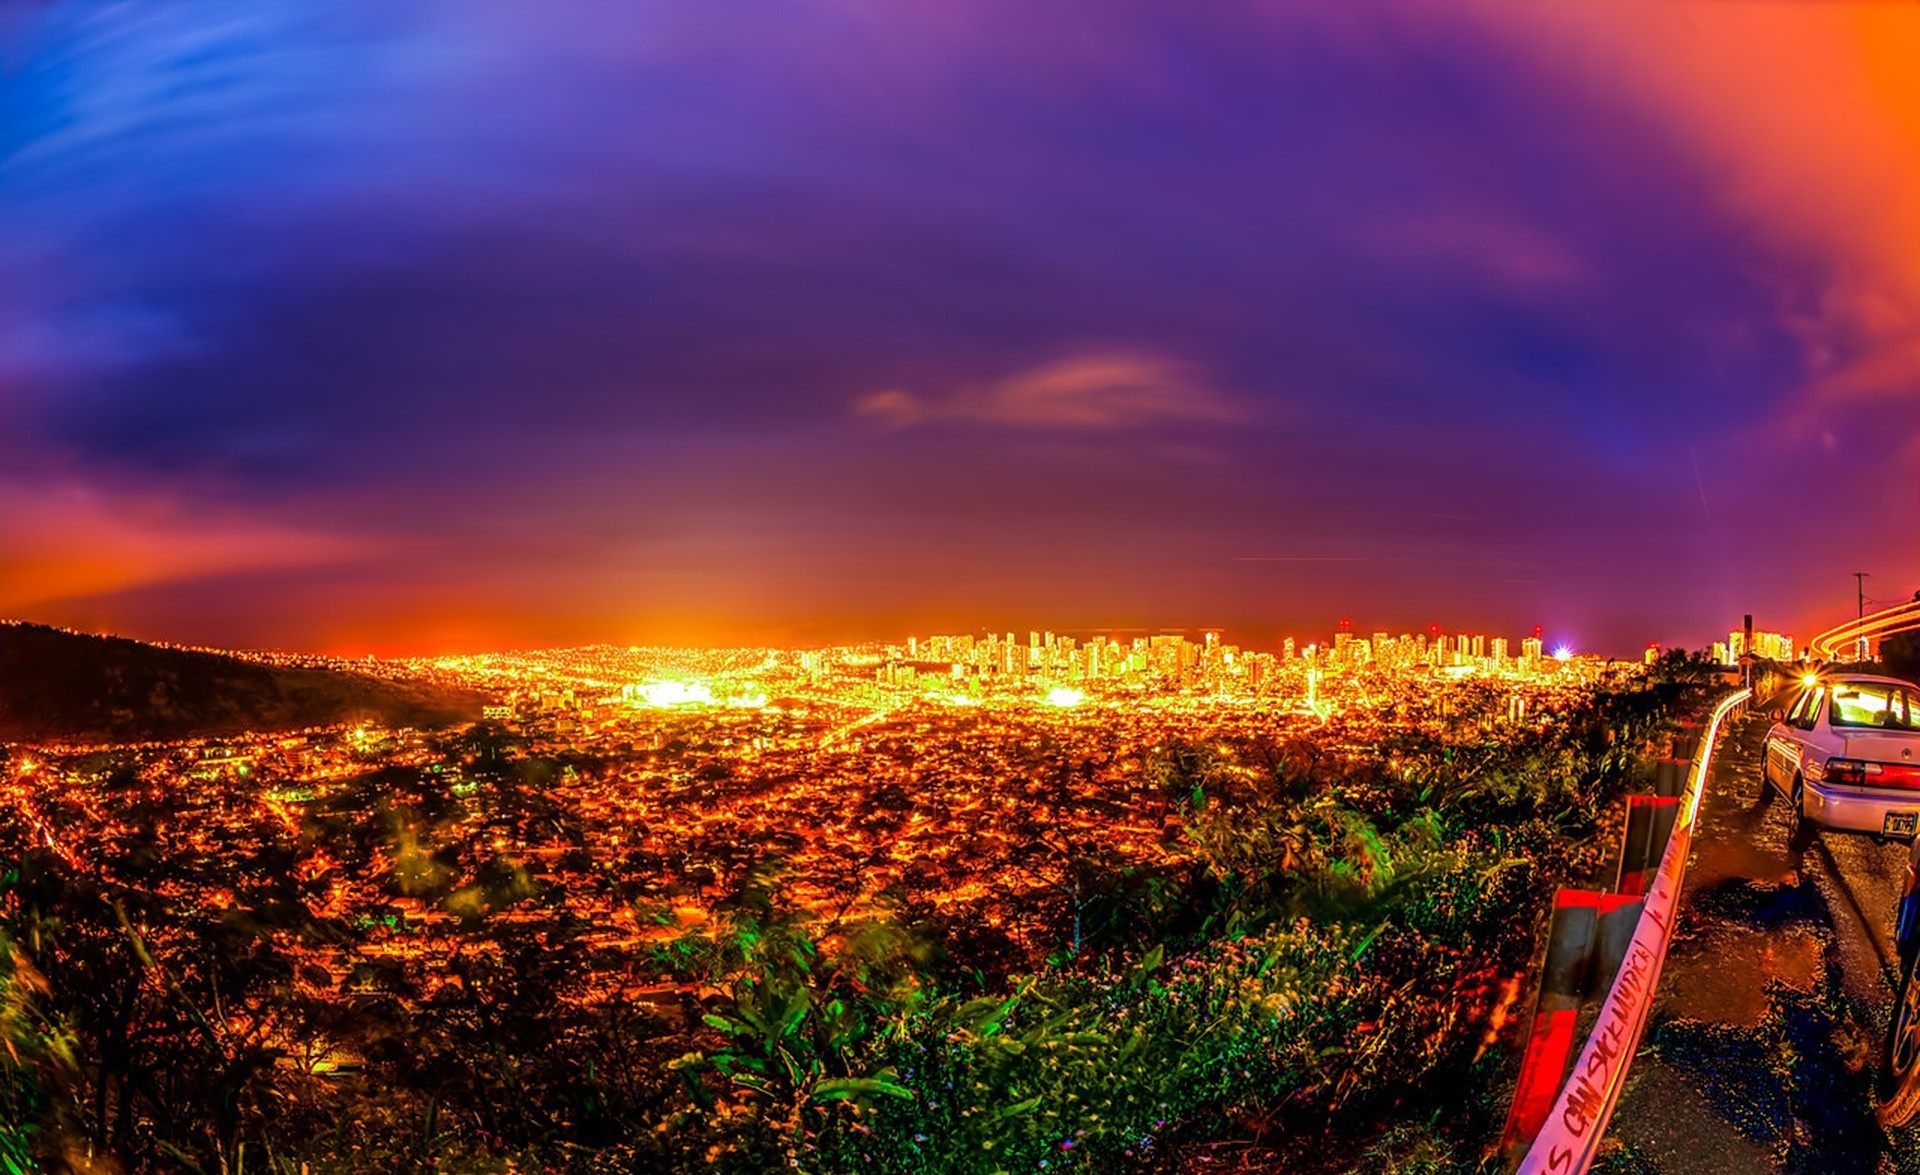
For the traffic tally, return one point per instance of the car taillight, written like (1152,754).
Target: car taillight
(1850,771)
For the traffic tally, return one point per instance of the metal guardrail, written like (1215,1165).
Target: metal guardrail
(1571,1135)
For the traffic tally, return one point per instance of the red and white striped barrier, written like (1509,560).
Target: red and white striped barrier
(1571,1135)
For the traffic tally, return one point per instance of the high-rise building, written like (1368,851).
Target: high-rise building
(1774,646)
(1530,649)
(1286,649)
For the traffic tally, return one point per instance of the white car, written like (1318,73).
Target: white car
(1847,755)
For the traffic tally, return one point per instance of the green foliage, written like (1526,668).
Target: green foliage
(1900,654)
(1410,1150)
(1089,1072)
(33,1053)
(797,1023)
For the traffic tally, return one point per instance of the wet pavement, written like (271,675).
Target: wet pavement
(1761,1053)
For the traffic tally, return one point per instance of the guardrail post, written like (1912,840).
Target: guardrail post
(1556,1016)
(1649,825)
(1670,776)
(1616,918)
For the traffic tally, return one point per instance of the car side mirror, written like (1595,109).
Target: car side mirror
(1779,715)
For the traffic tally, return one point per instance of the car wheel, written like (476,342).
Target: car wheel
(1799,828)
(1897,1086)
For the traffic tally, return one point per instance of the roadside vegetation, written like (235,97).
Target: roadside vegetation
(1312,972)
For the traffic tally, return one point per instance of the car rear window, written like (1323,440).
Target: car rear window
(1867,704)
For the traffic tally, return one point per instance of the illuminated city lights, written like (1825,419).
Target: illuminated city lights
(1772,646)
(665,694)
(1061,695)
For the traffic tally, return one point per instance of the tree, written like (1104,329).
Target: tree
(1900,654)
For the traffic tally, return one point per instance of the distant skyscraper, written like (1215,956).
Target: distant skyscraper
(1286,649)
(1774,646)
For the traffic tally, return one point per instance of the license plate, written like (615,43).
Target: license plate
(1899,823)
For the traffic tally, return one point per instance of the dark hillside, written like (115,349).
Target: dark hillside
(64,685)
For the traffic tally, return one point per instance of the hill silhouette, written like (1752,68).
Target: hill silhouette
(64,685)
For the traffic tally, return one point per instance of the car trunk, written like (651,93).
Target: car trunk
(1898,754)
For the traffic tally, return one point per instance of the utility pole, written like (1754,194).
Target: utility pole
(1860,609)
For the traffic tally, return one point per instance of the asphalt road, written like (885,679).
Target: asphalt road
(1772,1008)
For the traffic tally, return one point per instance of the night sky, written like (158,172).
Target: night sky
(411,327)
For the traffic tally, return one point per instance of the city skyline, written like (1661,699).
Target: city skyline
(338,328)
(1289,643)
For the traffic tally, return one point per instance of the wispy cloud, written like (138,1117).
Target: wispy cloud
(69,541)
(1507,252)
(1099,390)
